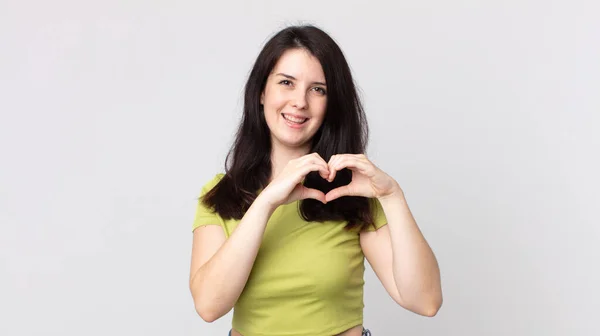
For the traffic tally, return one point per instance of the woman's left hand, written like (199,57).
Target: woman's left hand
(367,180)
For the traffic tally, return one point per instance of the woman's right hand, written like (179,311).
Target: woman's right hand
(287,186)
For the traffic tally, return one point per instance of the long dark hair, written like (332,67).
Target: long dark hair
(344,131)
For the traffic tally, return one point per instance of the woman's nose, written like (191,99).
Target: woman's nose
(299,100)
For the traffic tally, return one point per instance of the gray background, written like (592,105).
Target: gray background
(114,113)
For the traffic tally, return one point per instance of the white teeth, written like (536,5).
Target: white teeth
(294,119)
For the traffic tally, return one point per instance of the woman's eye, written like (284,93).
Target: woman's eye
(321,90)
(285,82)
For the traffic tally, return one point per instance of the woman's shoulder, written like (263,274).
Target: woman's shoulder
(218,177)
(208,185)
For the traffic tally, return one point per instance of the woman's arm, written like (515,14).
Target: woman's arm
(403,260)
(398,252)
(220,267)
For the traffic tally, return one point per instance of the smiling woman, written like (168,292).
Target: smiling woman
(294,99)
(282,235)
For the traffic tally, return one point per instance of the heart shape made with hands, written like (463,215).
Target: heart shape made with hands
(366,179)
(334,189)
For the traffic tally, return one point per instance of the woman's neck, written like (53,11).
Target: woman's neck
(281,155)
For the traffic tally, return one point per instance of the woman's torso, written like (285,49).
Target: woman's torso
(307,277)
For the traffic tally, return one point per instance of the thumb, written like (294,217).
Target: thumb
(338,192)
(305,193)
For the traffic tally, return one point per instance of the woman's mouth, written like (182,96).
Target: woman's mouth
(294,119)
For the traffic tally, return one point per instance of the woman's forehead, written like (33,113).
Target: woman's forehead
(301,65)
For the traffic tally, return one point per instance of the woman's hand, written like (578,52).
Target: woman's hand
(367,180)
(287,186)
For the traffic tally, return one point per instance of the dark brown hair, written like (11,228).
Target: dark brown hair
(344,131)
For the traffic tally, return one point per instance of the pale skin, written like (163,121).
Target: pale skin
(397,252)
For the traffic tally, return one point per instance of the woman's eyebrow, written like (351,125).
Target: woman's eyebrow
(294,78)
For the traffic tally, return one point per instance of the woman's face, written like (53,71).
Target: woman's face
(295,99)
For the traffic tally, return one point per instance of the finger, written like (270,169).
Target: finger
(318,156)
(351,162)
(323,170)
(312,193)
(316,159)
(336,163)
(331,173)
(339,192)
(332,161)
(360,156)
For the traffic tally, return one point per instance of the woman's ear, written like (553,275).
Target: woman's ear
(262,98)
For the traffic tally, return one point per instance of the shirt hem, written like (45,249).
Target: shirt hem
(329,332)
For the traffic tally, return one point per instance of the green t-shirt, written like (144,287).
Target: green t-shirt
(307,278)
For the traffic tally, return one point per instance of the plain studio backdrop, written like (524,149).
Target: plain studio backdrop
(114,114)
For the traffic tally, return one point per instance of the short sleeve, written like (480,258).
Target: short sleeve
(205,215)
(379,218)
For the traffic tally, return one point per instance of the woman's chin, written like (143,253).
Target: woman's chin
(293,141)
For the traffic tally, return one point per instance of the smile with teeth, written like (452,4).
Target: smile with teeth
(293,119)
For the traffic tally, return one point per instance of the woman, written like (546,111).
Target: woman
(282,235)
